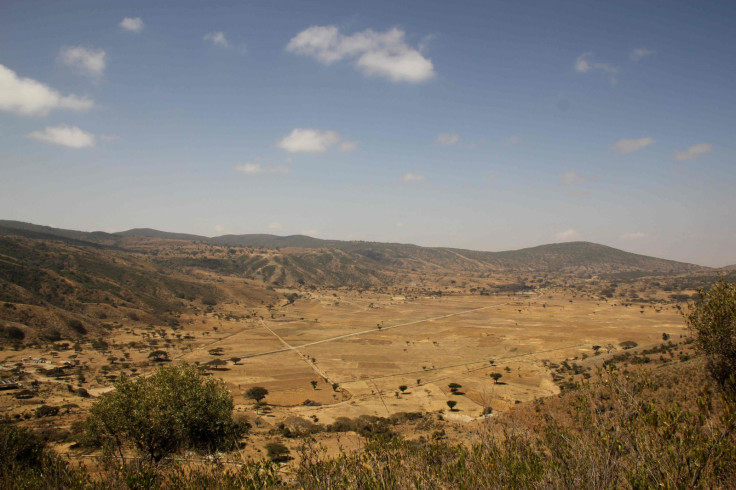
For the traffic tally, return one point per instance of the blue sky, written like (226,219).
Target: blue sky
(483,125)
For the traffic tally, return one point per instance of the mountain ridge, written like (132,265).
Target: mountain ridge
(554,257)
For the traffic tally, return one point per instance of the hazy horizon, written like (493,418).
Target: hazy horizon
(483,126)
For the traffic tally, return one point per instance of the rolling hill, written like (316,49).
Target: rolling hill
(52,280)
(569,257)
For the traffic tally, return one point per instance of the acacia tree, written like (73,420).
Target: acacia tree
(496,377)
(257,393)
(712,318)
(173,409)
(159,356)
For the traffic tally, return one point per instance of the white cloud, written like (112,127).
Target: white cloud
(217,38)
(69,136)
(384,54)
(347,146)
(275,226)
(632,236)
(88,61)
(254,168)
(28,97)
(132,24)
(306,140)
(632,144)
(572,177)
(218,228)
(640,53)
(447,139)
(584,64)
(567,235)
(695,151)
(412,177)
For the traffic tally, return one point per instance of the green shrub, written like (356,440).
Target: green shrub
(173,409)
(712,319)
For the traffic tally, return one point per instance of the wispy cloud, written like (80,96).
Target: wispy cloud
(638,54)
(307,140)
(572,177)
(383,54)
(513,139)
(132,24)
(412,177)
(275,225)
(447,139)
(585,64)
(695,151)
(633,236)
(28,97)
(633,144)
(88,61)
(254,168)
(217,38)
(69,136)
(347,146)
(567,235)
(220,40)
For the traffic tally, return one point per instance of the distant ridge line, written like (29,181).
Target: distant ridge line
(567,256)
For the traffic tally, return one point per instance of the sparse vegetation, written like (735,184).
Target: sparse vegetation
(203,302)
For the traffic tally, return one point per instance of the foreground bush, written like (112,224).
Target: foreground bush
(712,319)
(175,408)
(616,436)
(25,462)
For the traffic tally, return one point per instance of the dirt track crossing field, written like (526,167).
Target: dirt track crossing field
(368,352)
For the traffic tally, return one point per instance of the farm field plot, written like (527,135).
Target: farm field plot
(424,344)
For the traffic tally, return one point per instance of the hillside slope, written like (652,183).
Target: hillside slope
(334,262)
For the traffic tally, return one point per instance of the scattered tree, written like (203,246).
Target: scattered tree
(454,387)
(159,356)
(628,344)
(451,404)
(216,363)
(403,388)
(496,377)
(257,393)
(277,452)
(314,384)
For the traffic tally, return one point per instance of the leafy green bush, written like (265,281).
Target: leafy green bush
(712,318)
(173,409)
